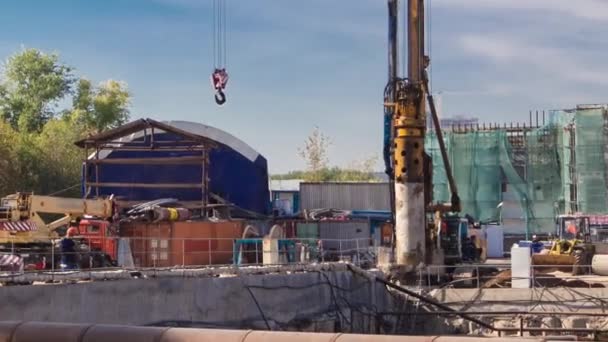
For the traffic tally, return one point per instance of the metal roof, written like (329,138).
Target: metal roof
(285,184)
(140,125)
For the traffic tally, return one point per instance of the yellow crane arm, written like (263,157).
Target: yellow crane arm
(24,206)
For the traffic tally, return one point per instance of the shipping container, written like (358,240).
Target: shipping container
(308,231)
(346,196)
(186,243)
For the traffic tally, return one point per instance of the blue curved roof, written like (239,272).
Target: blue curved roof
(237,172)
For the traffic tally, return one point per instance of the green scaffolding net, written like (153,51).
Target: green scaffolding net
(526,177)
(590,176)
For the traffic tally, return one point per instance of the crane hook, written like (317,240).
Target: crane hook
(219,79)
(220,97)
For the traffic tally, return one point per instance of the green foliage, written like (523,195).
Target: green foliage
(60,160)
(8,167)
(37,151)
(333,174)
(34,82)
(315,154)
(101,108)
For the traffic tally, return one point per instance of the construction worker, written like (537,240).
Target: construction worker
(571,230)
(537,246)
(68,250)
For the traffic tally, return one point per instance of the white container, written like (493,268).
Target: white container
(270,249)
(521,263)
(599,264)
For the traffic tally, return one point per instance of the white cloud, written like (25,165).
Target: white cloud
(587,9)
(496,89)
(516,54)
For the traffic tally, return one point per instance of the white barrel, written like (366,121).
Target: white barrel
(599,264)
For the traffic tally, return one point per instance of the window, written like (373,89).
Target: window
(92,229)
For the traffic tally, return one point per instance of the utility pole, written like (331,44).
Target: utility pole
(407,101)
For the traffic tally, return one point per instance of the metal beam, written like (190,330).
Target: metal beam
(189,160)
(147,185)
(152,149)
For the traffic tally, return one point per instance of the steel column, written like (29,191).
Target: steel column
(409,127)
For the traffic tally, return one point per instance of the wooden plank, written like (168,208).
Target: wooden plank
(187,160)
(147,185)
(149,149)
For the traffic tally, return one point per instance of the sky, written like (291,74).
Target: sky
(295,65)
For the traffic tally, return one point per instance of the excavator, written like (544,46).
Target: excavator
(24,230)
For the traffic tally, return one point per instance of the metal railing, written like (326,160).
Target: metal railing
(160,252)
(494,275)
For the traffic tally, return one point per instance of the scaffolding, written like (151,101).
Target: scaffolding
(553,167)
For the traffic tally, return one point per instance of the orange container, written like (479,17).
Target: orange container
(205,243)
(188,243)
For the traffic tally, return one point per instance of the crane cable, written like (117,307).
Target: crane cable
(219,78)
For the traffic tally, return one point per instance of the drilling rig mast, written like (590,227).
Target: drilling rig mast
(408,164)
(406,107)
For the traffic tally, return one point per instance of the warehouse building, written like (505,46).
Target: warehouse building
(146,160)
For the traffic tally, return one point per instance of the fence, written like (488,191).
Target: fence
(499,275)
(146,252)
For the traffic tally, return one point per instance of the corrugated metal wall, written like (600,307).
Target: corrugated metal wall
(345,236)
(347,196)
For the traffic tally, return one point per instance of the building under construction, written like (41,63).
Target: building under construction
(524,175)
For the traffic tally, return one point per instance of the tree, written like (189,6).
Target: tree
(359,171)
(8,166)
(37,151)
(34,82)
(60,161)
(101,108)
(314,153)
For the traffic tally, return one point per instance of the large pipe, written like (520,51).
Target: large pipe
(65,332)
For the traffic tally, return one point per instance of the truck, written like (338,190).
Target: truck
(29,226)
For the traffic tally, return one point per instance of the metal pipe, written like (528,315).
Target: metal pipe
(44,331)
(495,313)
(393,66)
(543,117)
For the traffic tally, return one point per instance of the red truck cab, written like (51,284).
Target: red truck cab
(99,236)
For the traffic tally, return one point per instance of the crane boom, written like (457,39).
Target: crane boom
(28,207)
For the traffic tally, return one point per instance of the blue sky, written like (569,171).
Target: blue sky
(297,64)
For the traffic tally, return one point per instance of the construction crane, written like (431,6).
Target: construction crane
(405,119)
(24,230)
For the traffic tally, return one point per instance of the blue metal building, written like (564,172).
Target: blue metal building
(179,159)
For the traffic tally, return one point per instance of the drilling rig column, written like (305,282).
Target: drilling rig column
(409,129)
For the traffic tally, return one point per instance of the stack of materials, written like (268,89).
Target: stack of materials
(157,211)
